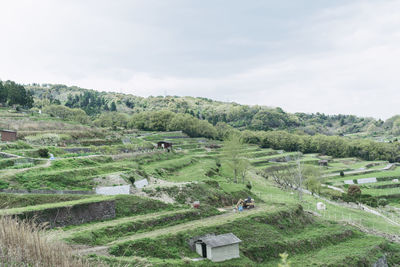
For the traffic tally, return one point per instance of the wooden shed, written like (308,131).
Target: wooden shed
(218,247)
(164,144)
(8,136)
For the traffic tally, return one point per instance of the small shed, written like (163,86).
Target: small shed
(323,162)
(164,144)
(218,247)
(8,136)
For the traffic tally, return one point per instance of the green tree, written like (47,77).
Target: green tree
(113,106)
(232,150)
(312,176)
(3,93)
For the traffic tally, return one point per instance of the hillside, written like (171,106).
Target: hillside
(152,226)
(236,115)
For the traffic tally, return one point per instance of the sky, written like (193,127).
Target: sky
(303,56)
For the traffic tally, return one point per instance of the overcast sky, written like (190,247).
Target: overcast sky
(309,56)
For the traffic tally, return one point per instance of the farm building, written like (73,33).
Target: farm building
(323,162)
(218,247)
(164,144)
(8,136)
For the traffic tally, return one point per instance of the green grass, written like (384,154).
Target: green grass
(361,251)
(209,193)
(21,210)
(127,205)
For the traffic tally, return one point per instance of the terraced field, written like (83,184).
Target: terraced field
(151,226)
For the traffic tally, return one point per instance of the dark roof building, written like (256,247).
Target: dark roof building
(164,144)
(218,247)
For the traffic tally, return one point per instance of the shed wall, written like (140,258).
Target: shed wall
(224,253)
(8,136)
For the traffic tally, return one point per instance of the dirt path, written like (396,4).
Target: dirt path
(210,221)
(12,172)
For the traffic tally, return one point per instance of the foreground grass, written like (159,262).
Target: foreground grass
(23,244)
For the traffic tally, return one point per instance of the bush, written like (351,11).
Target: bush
(249,186)
(47,138)
(354,190)
(43,153)
(383,202)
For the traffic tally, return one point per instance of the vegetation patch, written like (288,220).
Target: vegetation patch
(264,237)
(23,200)
(203,192)
(128,205)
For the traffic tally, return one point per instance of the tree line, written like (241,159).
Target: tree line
(91,102)
(258,118)
(165,120)
(12,93)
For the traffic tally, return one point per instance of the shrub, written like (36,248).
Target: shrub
(354,190)
(249,186)
(43,139)
(43,153)
(383,202)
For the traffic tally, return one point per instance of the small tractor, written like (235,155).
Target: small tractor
(248,203)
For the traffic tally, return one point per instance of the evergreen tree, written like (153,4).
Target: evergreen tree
(113,106)
(3,93)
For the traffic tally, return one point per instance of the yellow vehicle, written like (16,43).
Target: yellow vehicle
(248,203)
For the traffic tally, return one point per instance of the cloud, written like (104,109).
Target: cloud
(332,58)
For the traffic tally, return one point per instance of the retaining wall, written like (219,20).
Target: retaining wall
(72,215)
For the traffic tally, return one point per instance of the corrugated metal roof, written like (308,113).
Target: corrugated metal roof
(8,131)
(221,240)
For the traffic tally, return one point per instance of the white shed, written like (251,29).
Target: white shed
(218,247)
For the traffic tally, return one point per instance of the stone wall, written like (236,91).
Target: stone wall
(73,215)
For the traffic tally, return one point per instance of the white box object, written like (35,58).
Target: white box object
(321,206)
(141,183)
(366,180)
(113,190)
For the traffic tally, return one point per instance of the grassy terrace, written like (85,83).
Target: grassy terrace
(299,235)
(23,200)
(150,232)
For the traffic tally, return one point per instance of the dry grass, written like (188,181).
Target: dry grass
(23,244)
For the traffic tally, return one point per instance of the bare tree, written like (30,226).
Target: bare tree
(243,167)
(288,176)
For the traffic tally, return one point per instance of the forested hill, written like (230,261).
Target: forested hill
(236,115)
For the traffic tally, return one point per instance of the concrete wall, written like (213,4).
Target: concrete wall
(223,253)
(73,215)
(113,190)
